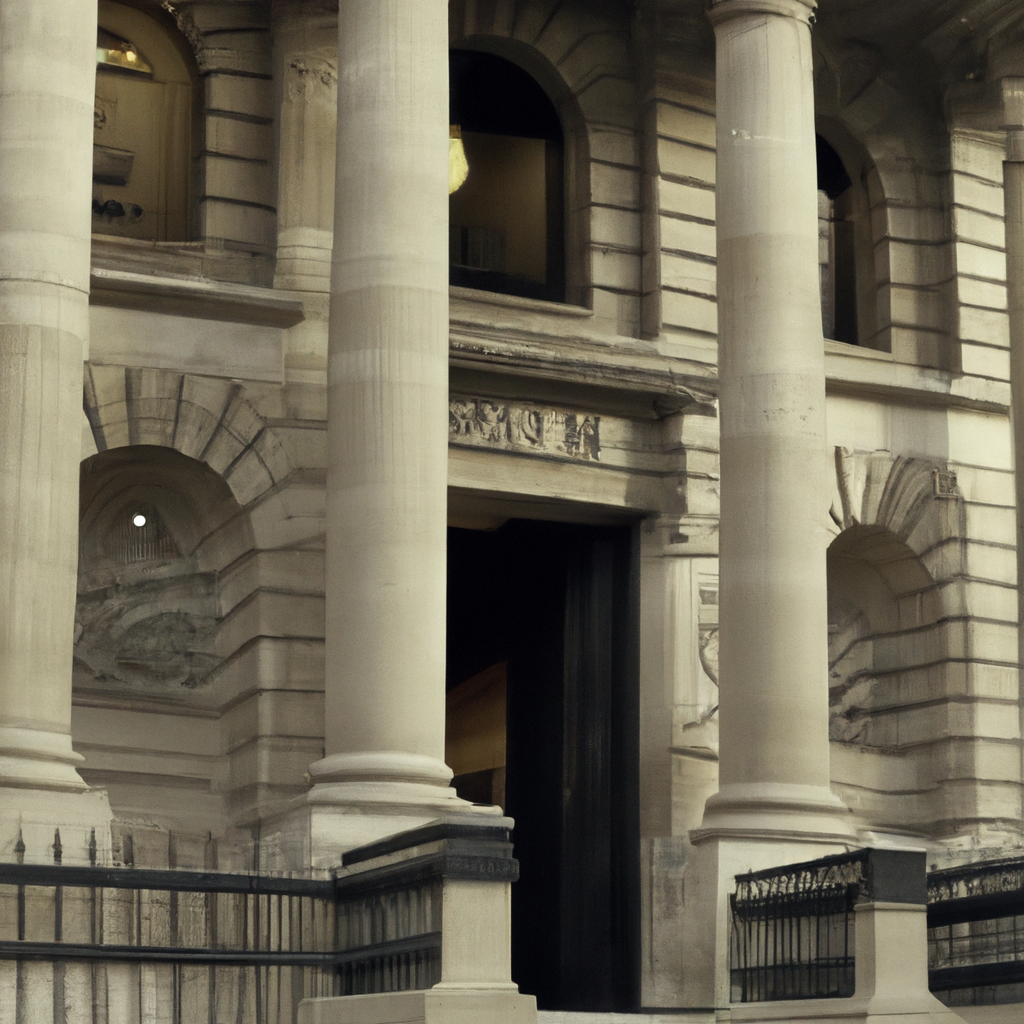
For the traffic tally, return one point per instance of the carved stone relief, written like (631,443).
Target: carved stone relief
(514,426)
(311,73)
(145,619)
(707,624)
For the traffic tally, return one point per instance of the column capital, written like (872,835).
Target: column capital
(1012,89)
(725,10)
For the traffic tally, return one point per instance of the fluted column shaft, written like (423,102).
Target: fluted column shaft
(773,619)
(388,407)
(47,87)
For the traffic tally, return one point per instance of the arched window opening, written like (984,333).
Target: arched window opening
(837,246)
(507,220)
(142,128)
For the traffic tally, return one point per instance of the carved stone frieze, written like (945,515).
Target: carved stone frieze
(520,427)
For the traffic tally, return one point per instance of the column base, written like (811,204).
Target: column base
(439,1005)
(358,799)
(31,818)
(779,811)
(304,260)
(36,759)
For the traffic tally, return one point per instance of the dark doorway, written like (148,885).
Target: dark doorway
(555,605)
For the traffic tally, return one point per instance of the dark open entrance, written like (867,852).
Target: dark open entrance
(547,613)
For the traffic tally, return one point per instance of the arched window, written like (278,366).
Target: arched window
(845,244)
(142,151)
(507,220)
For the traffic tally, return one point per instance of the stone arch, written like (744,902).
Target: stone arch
(579,53)
(206,418)
(916,500)
(899,639)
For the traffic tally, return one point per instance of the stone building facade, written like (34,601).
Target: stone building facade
(769,316)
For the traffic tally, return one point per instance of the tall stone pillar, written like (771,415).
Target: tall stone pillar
(774,769)
(774,803)
(1013,192)
(47,86)
(388,422)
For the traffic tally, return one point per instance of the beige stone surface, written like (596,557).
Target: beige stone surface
(215,347)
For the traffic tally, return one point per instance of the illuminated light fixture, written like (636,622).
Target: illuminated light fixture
(458,165)
(114,52)
(138,519)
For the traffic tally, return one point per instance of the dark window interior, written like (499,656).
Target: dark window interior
(507,221)
(837,241)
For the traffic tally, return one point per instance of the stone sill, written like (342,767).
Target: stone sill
(179,296)
(479,297)
(864,372)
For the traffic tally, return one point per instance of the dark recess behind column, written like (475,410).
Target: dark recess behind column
(558,603)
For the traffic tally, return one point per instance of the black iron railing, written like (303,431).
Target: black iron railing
(113,945)
(976,933)
(793,927)
(792,930)
(124,940)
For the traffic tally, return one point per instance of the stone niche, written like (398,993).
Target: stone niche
(152,531)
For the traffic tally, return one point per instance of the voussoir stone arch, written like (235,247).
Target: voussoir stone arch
(206,418)
(916,500)
(585,44)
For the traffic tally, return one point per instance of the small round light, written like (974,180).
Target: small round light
(138,519)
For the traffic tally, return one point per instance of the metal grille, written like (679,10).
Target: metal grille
(122,942)
(976,933)
(793,930)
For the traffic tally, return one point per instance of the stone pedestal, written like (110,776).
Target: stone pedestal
(388,423)
(892,977)
(439,898)
(47,85)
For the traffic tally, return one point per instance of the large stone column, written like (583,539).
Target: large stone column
(388,421)
(774,803)
(1013,192)
(47,86)
(1013,195)
(773,618)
